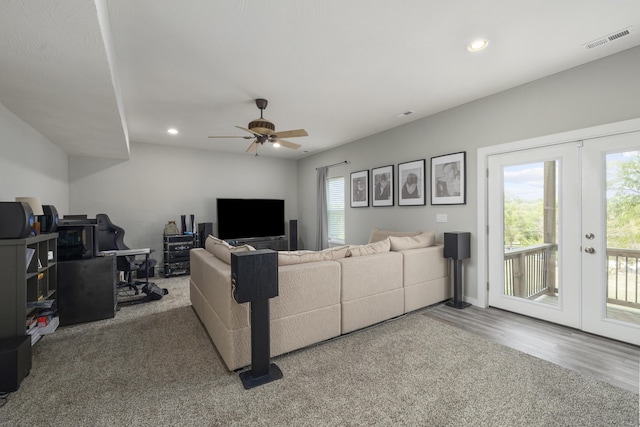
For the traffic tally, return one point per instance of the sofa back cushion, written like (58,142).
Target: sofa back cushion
(222,250)
(378,234)
(370,249)
(301,257)
(402,243)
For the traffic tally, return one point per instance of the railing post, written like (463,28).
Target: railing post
(518,275)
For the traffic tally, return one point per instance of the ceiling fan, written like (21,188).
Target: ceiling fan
(265,131)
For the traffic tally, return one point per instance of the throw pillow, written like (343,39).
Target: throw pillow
(378,234)
(370,249)
(222,250)
(337,252)
(300,257)
(303,256)
(402,243)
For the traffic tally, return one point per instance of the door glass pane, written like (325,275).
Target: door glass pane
(530,231)
(623,236)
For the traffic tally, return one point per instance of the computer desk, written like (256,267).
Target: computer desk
(131,252)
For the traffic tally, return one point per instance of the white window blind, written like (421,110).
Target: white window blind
(335,209)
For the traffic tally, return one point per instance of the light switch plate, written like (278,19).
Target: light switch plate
(441,217)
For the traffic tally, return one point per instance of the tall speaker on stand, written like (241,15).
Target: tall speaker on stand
(457,246)
(254,279)
(293,234)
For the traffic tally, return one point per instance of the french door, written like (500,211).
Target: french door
(562,227)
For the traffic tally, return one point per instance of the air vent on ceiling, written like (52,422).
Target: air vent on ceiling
(610,38)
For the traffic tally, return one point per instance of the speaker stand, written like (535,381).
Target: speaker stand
(262,371)
(457,287)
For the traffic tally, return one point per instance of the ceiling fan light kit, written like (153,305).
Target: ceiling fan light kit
(264,130)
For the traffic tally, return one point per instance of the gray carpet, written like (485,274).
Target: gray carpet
(154,365)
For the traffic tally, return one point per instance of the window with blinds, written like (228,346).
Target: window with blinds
(335,209)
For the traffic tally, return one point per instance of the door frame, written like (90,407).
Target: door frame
(482,279)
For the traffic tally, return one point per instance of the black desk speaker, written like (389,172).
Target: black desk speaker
(457,245)
(16,220)
(50,219)
(15,362)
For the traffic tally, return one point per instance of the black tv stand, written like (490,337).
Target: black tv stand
(276,243)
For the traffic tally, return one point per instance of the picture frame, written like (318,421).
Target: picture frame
(411,183)
(449,179)
(360,189)
(382,188)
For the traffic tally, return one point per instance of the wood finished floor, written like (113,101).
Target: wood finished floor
(608,360)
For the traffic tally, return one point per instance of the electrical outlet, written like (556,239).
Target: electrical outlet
(441,217)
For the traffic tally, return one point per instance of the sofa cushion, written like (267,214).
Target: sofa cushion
(378,234)
(402,243)
(303,256)
(222,250)
(370,249)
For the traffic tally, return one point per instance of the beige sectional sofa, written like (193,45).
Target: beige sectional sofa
(322,294)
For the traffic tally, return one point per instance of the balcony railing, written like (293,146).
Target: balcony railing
(623,279)
(530,272)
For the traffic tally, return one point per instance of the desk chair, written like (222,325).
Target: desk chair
(111,237)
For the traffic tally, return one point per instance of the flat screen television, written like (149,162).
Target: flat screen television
(246,218)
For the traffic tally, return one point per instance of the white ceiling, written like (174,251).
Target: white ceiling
(92,76)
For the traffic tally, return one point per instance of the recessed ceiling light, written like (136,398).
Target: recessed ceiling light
(173,131)
(276,144)
(477,45)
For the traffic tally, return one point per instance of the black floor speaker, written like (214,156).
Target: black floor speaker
(204,230)
(15,362)
(293,234)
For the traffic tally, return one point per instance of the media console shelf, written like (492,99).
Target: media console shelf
(28,273)
(176,253)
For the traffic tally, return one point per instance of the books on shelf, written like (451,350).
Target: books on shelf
(30,253)
(51,326)
(39,326)
(47,303)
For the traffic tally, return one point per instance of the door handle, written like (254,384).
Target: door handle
(589,250)
(589,236)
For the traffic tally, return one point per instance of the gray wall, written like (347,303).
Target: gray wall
(159,183)
(603,91)
(30,165)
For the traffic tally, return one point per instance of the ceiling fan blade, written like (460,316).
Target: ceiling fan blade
(288,144)
(243,137)
(291,133)
(253,147)
(249,130)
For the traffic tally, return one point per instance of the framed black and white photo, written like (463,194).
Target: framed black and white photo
(448,179)
(411,183)
(382,190)
(360,189)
